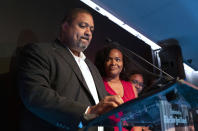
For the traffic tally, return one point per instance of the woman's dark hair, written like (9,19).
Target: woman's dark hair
(102,55)
(129,74)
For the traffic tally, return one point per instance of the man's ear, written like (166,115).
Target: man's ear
(65,26)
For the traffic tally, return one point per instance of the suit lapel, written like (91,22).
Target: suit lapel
(65,53)
(97,80)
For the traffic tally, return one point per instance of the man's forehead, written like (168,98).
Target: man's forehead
(84,17)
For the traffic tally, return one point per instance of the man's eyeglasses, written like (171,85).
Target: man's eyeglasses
(138,83)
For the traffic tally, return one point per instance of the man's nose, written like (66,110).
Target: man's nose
(88,32)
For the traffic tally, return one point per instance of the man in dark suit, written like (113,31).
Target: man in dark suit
(60,89)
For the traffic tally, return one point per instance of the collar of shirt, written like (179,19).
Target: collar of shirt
(78,58)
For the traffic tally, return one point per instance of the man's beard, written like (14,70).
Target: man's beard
(79,46)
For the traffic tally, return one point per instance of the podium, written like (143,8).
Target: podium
(166,109)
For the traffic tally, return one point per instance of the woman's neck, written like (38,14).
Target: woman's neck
(113,79)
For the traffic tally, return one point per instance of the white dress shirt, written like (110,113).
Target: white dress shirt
(87,75)
(88,78)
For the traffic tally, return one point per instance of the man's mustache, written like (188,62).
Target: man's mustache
(85,37)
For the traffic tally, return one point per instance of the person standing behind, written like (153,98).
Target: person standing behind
(59,87)
(110,62)
(137,81)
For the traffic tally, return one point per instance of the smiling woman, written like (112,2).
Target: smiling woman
(111,64)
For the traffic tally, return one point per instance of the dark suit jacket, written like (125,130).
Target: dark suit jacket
(52,89)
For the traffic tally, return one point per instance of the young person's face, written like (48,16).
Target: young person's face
(79,32)
(114,63)
(137,80)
